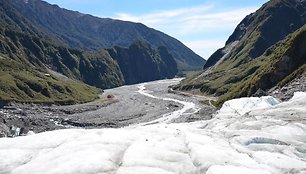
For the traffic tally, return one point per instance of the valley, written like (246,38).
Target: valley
(85,94)
(140,104)
(247,135)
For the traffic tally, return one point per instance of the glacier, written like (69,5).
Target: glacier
(247,135)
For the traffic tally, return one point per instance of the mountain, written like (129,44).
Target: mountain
(141,63)
(257,31)
(27,58)
(87,32)
(256,55)
(35,67)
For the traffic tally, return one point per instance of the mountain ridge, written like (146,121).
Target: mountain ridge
(36,55)
(236,69)
(144,69)
(275,12)
(89,32)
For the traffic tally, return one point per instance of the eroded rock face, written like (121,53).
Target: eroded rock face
(4,130)
(260,93)
(237,35)
(13,127)
(287,91)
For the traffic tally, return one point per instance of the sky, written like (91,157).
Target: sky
(202,25)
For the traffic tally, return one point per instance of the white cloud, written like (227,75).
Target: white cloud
(205,47)
(193,21)
(213,21)
(198,44)
(161,17)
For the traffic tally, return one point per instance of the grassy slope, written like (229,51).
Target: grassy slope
(26,54)
(94,68)
(36,56)
(33,53)
(277,66)
(247,57)
(22,84)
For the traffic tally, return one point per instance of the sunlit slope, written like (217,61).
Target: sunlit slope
(264,50)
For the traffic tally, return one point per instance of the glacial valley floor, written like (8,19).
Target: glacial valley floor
(127,106)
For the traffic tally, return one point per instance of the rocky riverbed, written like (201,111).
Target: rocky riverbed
(284,93)
(247,135)
(118,107)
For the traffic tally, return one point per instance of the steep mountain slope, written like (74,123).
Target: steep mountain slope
(23,42)
(38,63)
(262,29)
(23,77)
(141,63)
(88,32)
(20,83)
(253,59)
(94,68)
(279,65)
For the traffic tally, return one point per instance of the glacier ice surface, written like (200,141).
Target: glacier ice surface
(247,135)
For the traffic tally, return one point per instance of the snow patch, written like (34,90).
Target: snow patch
(217,169)
(298,96)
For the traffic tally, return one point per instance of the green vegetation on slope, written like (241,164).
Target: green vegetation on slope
(261,58)
(262,29)
(92,33)
(278,65)
(140,62)
(22,84)
(94,68)
(34,54)
(28,57)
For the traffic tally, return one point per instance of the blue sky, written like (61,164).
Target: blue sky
(202,25)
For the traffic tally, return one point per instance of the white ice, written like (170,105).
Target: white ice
(247,136)
(244,105)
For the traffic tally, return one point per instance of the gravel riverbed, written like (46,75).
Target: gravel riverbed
(125,107)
